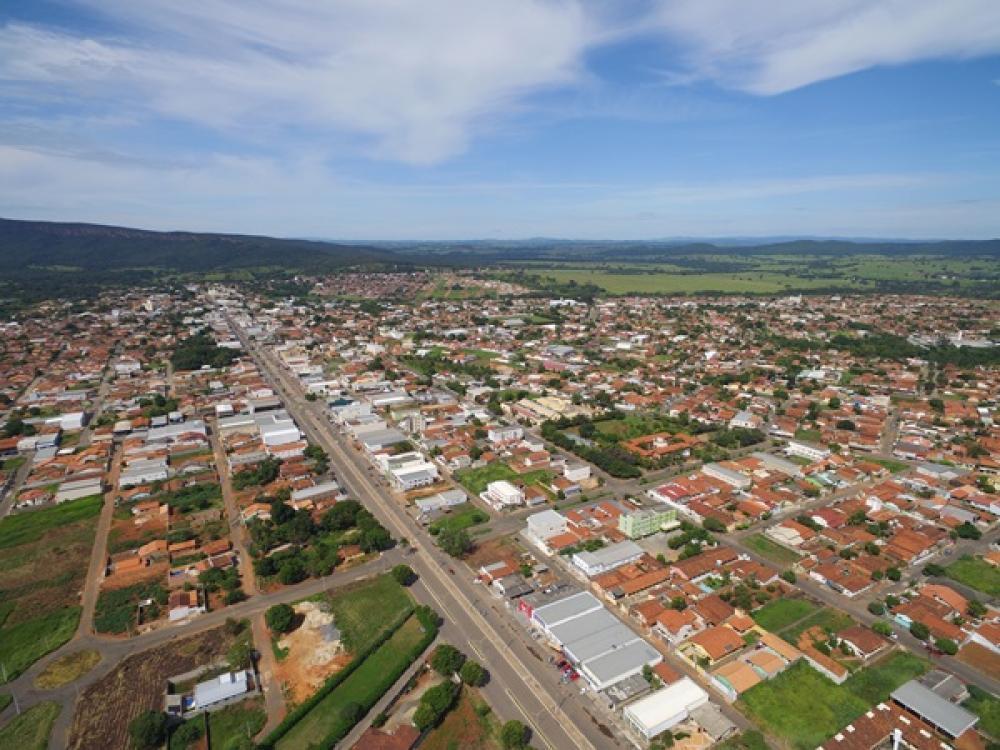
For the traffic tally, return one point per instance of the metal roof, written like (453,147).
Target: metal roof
(550,615)
(953,720)
(222,688)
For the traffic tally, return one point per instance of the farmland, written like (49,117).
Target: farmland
(41,581)
(107,706)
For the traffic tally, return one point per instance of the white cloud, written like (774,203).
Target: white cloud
(782,45)
(416,77)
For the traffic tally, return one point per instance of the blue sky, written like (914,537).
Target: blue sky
(451,119)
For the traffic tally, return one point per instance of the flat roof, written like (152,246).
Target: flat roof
(927,704)
(666,703)
(621,662)
(615,554)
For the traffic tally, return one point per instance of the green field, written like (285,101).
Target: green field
(362,612)
(461,517)
(805,708)
(5,700)
(475,480)
(827,618)
(987,708)
(891,464)
(30,526)
(363,687)
(772,551)
(30,730)
(231,724)
(23,644)
(778,614)
(976,573)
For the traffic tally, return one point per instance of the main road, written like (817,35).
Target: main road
(513,690)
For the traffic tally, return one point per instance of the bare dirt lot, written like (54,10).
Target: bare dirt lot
(105,709)
(312,656)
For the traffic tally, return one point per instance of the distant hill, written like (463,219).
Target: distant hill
(29,247)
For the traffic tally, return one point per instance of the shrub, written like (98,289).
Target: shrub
(148,730)
(947,645)
(919,631)
(280,618)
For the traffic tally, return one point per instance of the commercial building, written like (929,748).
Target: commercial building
(607,558)
(502,494)
(664,709)
(949,719)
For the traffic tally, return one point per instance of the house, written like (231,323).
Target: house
(183,604)
(222,690)
(664,709)
(712,644)
(863,642)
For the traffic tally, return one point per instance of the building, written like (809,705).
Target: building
(664,709)
(222,690)
(806,450)
(947,718)
(607,558)
(646,522)
(727,475)
(502,494)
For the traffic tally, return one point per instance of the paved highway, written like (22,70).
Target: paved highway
(513,684)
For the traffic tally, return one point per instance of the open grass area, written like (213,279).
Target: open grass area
(5,700)
(889,463)
(987,708)
(30,730)
(976,573)
(827,618)
(363,687)
(231,724)
(874,683)
(23,644)
(67,668)
(30,526)
(778,614)
(771,550)
(117,609)
(801,706)
(464,726)
(461,517)
(475,480)
(362,612)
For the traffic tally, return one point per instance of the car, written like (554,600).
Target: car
(574,675)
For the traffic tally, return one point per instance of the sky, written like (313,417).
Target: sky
(463,119)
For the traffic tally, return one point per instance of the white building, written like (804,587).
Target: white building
(608,558)
(806,450)
(545,525)
(502,494)
(664,709)
(729,476)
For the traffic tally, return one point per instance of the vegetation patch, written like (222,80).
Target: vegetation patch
(778,614)
(229,726)
(67,668)
(469,724)
(30,730)
(461,517)
(116,610)
(987,708)
(976,573)
(30,526)
(829,619)
(23,644)
(363,612)
(771,550)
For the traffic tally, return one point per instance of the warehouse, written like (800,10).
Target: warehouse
(603,649)
(664,709)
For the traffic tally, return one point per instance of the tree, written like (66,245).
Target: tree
(876,608)
(976,608)
(239,655)
(882,628)
(933,570)
(404,575)
(919,631)
(513,735)
(947,645)
(893,574)
(447,660)
(342,516)
(789,576)
(968,531)
(434,704)
(472,673)
(148,730)
(714,524)
(280,618)
(455,542)
(291,571)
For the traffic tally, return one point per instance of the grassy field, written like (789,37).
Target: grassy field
(976,573)
(30,730)
(987,708)
(801,706)
(778,614)
(891,464)
(5,700)
(749,740)
(363,611)
(772,551)
(464,726)
(231,724)
(116,610)
(874,684)
(461,517)
(67,668)
(805,709)
(826,618)
(30,526)
(23,644)
(363,687)
(475,480)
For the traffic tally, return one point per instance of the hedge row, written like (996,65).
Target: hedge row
(334,680)
(345,724)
